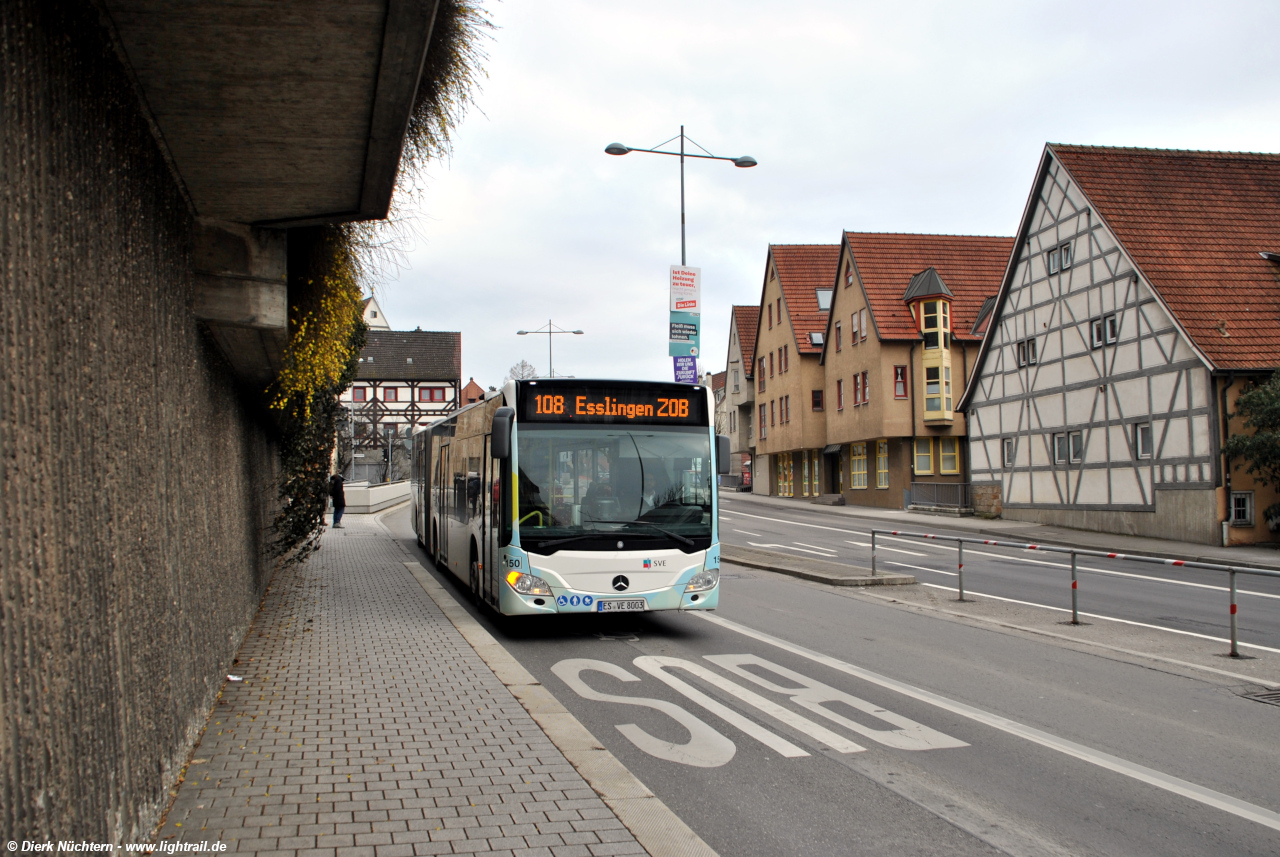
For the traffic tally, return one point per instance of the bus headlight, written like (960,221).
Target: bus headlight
(703,580)
(527,584)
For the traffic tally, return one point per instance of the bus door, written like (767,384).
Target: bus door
(487,588)
(442,503)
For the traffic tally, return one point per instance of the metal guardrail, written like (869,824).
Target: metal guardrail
(961,541)
(954,495)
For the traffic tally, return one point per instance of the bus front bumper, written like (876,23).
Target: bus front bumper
(569,601)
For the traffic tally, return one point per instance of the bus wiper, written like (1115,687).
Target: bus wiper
(675,536)
(565,541)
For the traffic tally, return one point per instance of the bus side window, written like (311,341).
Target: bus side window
(502,499)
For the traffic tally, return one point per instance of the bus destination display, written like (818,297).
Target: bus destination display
(664,405)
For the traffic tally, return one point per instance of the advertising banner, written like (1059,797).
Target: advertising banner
(686,289)
(686,369)
(685,334)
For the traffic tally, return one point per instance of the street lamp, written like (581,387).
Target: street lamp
(741,161)
(550,330)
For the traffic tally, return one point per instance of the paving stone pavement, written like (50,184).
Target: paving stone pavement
(367,725)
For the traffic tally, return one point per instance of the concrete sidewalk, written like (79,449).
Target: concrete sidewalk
(1022,531)
(366,724)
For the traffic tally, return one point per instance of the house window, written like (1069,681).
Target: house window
(935,324)
(770,364)
(786,406)
(817,400)
(772,414)
(866,392)
(933,388)
(390,394)
(899,382)
(946,385)
(839,394)
(949,455)
(882,464)
(431,394)
(816,338)
(1006,451)
(1242,508)
(1075,445)
(359,394)
(858,465)
(761,374)
(1026,350)
(824,300)
(779,310)
(771,316)
(735,380)
(924,455)
(762,423)
(853,329)
(862,326)
(839,337)
(1142,439)
(1059,258)
(1104,330)
(733,422)
(1059,448)
(857,389)
(785,365)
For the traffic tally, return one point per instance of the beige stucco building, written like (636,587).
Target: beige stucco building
(905,323)
(790,389)
(739,395)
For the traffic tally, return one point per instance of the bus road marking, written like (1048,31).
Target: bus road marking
(815,547)
(745,533)
(708,748)
(883,548)
(1175,785)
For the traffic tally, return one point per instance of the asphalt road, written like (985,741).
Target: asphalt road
(798,719)
(1190,601)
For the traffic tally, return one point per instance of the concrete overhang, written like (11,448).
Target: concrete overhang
(271,114)
(278,112)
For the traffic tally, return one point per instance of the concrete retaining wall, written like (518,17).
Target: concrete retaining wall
(135,484)
(363,498)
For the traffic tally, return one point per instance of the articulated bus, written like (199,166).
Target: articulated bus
(568,496)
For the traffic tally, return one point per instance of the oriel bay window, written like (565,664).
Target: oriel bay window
(935,327)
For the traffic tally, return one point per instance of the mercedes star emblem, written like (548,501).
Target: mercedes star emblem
(620,582)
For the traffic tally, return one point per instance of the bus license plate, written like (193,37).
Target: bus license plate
(616,605)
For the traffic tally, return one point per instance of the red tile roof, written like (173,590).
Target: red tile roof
(747,320)
(717,381)
(972,266)
(1194,224)
(802,270)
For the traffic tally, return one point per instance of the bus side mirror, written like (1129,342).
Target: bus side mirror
(722,454)
(500,435)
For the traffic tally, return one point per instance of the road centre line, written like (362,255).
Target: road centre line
(1184,788)
(1112,573)
(798,523)
(968,591)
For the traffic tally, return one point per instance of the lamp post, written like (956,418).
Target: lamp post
(741,161)
(550,330)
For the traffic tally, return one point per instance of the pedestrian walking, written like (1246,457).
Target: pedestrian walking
(339,499)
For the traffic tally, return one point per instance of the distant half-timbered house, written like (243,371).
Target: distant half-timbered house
(406,379)
(1143,295)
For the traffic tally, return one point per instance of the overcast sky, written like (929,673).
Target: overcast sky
(887,117)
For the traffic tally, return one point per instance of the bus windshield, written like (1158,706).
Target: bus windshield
(585,487)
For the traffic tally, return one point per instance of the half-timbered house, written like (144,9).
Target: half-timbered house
(1143,295)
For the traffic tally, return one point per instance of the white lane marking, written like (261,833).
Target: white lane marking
(1098,616)
(745,533)
(811,693)
(790,548)
(1209,797)
(654,665)
(1111,573)
(883,548)
(920,568)
(706,747)
(801,524)
(815,547)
